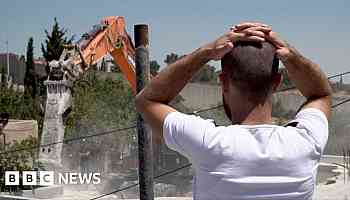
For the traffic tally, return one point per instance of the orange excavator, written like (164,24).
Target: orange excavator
(108,37)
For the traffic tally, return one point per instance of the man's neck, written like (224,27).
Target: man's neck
(250,114)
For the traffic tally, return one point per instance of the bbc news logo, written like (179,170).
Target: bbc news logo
(47,178)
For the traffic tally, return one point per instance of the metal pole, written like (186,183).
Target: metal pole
(4,140)
(144,133)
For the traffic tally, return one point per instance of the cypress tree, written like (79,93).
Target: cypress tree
(30,80)
(54,43)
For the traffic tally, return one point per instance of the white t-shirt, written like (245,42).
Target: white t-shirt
(250,161)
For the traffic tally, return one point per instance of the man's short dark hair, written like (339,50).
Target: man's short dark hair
(251,66)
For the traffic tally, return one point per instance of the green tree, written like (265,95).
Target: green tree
(20,106)
(30,80)
(17,161)
(154,67)
(54,44)
(3,76)
(101,103)
(170,58)
(286,82)
(205,74)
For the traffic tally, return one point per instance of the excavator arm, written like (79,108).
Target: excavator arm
(109,37)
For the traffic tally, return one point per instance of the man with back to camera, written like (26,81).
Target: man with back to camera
(252,158)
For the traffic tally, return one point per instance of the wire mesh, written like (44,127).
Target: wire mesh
(112,151)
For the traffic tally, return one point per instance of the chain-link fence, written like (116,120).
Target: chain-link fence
(103,145)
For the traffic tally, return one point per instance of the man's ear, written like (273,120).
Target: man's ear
(276,81)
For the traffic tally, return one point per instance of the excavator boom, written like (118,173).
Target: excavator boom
(115,41)
(108,37)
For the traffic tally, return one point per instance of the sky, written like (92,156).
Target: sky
(318,29)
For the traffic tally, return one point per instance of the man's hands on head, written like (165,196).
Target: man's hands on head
(283,50)
(248,31)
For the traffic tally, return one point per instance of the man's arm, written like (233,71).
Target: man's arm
(306,75)
(152,101)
